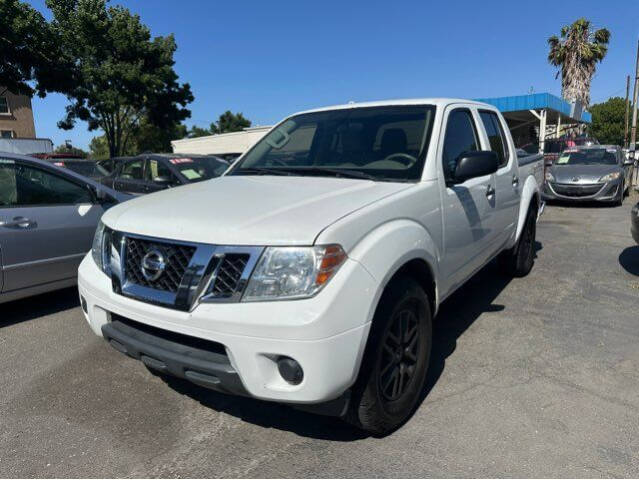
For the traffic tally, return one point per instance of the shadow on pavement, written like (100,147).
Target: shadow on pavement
(38,306)
(456,315)
(629,260)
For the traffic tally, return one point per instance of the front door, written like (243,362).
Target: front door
(47,222)
(468,207)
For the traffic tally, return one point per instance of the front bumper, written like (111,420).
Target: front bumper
(596,192)
(325,334)
(634,223)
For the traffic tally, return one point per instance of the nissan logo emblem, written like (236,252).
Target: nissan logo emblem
(153,265)
(575,179)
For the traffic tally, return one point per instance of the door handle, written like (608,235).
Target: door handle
(515,181)
(18,222)
(490,191)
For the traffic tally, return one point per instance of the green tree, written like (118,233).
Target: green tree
(199,132)
(31,57)
(150,138)
(608,121)
(577,53)
(230,122)
(121,75)
(99,148)
(70,149)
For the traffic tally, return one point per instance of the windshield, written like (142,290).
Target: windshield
(594,156)
(199,168)
(375,143)
(86,168)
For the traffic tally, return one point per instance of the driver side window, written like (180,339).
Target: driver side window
(461,136)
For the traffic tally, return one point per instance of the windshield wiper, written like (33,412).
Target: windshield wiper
(261,171)
(336,172)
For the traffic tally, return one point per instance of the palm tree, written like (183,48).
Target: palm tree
(577,52)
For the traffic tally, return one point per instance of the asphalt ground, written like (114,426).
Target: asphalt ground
(530,377)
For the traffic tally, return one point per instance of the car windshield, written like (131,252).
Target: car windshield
(197,169)
(86,168)
(593,156)
(373,143)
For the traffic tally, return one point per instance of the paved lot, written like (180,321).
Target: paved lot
(531,377)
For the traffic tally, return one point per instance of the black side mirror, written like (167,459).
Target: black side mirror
(475,164)
(102,197)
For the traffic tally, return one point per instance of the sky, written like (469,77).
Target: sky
(270,59)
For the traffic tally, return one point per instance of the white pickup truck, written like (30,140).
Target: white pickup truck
(311,271)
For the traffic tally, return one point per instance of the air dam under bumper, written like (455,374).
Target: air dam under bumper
(326,334)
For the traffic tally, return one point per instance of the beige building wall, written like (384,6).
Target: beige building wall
(223,143)
(19,119)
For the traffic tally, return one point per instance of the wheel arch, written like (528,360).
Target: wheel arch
(529,198)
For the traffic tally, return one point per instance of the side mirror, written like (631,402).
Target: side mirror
(475,164)
(102,197)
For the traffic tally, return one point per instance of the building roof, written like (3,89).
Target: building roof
(537,101)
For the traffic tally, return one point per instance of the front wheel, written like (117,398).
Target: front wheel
(519,260)
(396,359)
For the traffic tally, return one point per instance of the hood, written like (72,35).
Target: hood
(585,173)
(248,210)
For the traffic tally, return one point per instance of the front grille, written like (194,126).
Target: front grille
(228,275)
(177,258)
(576,190)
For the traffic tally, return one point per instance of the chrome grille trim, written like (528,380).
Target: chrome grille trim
(185,286)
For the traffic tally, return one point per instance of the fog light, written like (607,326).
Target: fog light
(83,302)
(290,370)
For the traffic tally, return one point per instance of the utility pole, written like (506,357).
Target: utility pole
(633,135)
(625,135)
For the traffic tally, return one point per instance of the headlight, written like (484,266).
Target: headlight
(98,250)
(293,272)
(610,176)
(549,177)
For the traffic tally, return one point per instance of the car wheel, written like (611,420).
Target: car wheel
(396,359)
(519,260)
(619,201)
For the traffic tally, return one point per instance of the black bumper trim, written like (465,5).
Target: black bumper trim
(198,361)
(201,366)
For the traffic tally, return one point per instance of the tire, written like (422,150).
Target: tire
(393,371)
(519,260)
(619,201)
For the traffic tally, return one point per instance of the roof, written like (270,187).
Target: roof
(536,101)
(389,103)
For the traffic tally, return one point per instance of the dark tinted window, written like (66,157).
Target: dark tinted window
(197,169)
(157,172)
(21,185)
(496,136)
(132,170)
(461,137)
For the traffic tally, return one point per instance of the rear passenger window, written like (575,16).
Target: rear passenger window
(496,135)
(461,137)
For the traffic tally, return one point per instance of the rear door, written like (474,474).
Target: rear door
(131,177)
(507,181)
(48,222)
(468,207)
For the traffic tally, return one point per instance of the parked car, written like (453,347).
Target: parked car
(595,173)
(310,272)
(634,222)
(149,173)
(48,216)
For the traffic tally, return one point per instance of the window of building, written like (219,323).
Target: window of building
(6,133)
(4,105)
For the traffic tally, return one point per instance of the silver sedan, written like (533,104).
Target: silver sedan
(594,173)
(48,216)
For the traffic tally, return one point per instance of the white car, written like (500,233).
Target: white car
(310,272)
